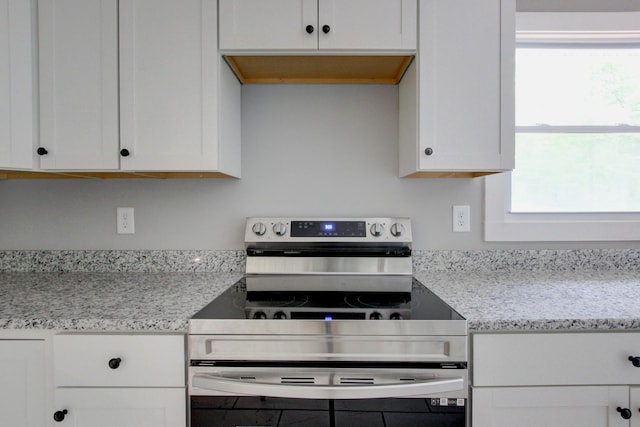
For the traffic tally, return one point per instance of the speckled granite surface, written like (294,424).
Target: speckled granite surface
(160,290)
(106,301)
(527,260)
(122,261)
(541,300)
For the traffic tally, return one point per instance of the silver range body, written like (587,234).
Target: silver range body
(332,313)
(337,254)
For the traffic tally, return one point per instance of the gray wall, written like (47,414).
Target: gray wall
(307,150)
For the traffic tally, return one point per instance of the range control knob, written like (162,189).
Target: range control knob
(635,361)
(396,316)
(280,315)
(375,316)
(376,229)
(397,229)
(259,315)
(280,229)
(259,228)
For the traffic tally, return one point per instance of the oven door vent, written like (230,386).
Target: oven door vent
(341,380)
(297,380)
(356,380)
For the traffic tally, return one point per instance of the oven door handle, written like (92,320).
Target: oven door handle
(221,384)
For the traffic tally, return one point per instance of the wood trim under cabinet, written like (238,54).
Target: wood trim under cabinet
(450,174)
(109,175)
(319,69)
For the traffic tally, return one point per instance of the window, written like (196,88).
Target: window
(577,173)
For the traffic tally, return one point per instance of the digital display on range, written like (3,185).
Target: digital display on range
(328,229)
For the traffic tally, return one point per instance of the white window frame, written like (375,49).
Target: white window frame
(503,226)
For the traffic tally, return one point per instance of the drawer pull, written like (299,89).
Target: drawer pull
(635,360)
(115,363)
(59,415)
(624,412)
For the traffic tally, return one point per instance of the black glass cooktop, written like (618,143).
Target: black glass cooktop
(237,303)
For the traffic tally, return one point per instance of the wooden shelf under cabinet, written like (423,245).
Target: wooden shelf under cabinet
(319,69)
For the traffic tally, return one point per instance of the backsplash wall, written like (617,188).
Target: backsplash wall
(307,150)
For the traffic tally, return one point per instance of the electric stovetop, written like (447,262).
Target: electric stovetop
(237,303)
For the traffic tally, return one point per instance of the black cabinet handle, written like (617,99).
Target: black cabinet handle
(624,412)
(428,151)
(635,360)
(309,29)
(115,363)
(326,29)
(59,415)
(124,152)
(42,151)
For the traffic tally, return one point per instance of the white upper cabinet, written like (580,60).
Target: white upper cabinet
(457,98)
(17,112)
(169,87)
(78,84)
(136,86)
(318,24)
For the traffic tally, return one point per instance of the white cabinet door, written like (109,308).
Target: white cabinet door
(313,24)
(17,46)
(22,383)
(273,24)
(634,406)
(169,89)
(78,84)
(121,407)
(367,24)
(549,406)
(456,111)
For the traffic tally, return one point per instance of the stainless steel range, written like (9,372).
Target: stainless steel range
(328,328)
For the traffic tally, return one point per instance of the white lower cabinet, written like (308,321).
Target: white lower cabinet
(552,407)
(22,383)
(556,379)
(120,407)
(119,380)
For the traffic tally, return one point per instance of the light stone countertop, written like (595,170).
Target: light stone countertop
(164,301)
(107,301)
(541,300)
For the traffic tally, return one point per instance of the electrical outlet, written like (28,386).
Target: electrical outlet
(125,221)
(461,218)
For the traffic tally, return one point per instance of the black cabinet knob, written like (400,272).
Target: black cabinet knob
(115,363)
(635,360)
(59,415)
(624,412)
(124,152)
(326,29)
(428,151)
(309,29)
(42,151)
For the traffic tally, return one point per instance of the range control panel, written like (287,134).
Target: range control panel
(374,230)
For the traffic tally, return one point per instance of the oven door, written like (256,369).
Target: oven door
(304,396)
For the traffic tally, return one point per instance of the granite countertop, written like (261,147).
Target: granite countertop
(145,301)
(164,301)
(541,300)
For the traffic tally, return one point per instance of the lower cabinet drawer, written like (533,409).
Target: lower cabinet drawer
(555,359)
(109,407)
(578,406)
(119,360)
